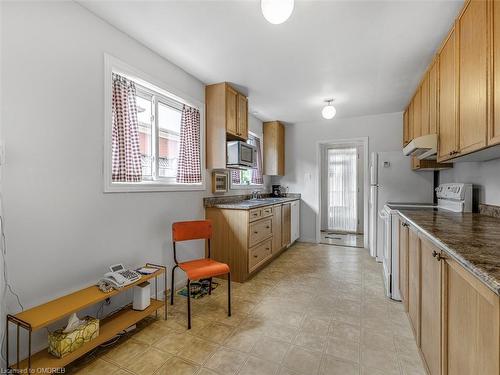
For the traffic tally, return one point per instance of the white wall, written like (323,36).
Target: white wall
(485,175)
(301,142)
(2,281)
(62,230)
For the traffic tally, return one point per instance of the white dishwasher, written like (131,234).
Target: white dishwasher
(295,221)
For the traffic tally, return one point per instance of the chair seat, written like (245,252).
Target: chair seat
(203,268)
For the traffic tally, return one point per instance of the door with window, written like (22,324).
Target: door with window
(342,189)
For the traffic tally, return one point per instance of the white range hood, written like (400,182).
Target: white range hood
(424,147)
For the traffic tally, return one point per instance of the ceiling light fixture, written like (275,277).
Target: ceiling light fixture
(276,11)
(329,110)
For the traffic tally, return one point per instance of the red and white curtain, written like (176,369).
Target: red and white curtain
(126,155)
(257,178)
(189,163)
(236,176)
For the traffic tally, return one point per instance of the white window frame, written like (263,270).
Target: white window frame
(251,186)
(114,65)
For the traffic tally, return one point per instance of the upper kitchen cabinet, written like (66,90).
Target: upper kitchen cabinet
(410,121)
(448,104)
(417,114)
(424,106)
(274,148)
(406,133)
(433,97)
(494,129)
(226,118)
(242,117)
(473,68)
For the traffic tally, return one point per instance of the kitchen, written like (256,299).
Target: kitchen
(235,129)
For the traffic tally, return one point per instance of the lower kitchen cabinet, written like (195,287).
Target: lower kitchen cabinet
(277,231)
(248,239)
(471,324)
(430,306)
(414,282)
(403,262)
(286,223)
(454,316)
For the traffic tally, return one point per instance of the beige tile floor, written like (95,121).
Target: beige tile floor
(311,311)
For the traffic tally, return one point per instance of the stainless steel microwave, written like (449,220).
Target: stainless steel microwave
(241,155)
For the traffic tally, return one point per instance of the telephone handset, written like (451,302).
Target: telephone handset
(120,276)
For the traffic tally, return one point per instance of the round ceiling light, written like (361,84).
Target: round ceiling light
(329,110)
(276,11)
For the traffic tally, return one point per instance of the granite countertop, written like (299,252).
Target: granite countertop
(473,240)
(247,204)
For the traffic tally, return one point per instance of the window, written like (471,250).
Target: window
(159,134)
(154,135)
(249,177)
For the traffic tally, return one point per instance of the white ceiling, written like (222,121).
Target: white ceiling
(368,55)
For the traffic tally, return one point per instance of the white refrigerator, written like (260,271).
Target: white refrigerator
(393,180)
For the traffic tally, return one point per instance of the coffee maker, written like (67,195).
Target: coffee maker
(277,191)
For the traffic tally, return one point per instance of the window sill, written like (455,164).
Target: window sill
(150,186)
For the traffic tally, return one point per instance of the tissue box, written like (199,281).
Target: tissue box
(61,344)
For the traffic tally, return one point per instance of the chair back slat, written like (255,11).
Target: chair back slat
(191,230)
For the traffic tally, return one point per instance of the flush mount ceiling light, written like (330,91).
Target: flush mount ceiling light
(276,11)
(329,110)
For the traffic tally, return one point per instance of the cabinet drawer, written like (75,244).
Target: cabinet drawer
(259,231)
(267,211)
(258,254)
(255,214)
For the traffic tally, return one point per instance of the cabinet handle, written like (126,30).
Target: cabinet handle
(434,253)
(255,232)
(255,256)
(267,248)
(439,257)
(268,227)
(406,225)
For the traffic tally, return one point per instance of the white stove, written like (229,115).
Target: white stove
(455,197)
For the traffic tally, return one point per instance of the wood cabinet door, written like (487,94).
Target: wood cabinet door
(281,150)
(277,243)
(471,323)
(417,114)
(414,282)
(448,89)
(242,125)
(286,222)
(403,262)
(231,111)
(430,306)
(406,138)
(473,97)
(494,129)
(410,122)
(424,106)
(433,97)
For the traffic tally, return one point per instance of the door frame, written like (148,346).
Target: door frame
(363,142)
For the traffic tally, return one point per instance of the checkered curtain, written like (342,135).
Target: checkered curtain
(189,164)
(235,176)
(126,155)
(257,178)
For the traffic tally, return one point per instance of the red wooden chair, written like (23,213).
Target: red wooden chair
(197,269)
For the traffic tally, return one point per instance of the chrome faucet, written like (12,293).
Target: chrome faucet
(256,194)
